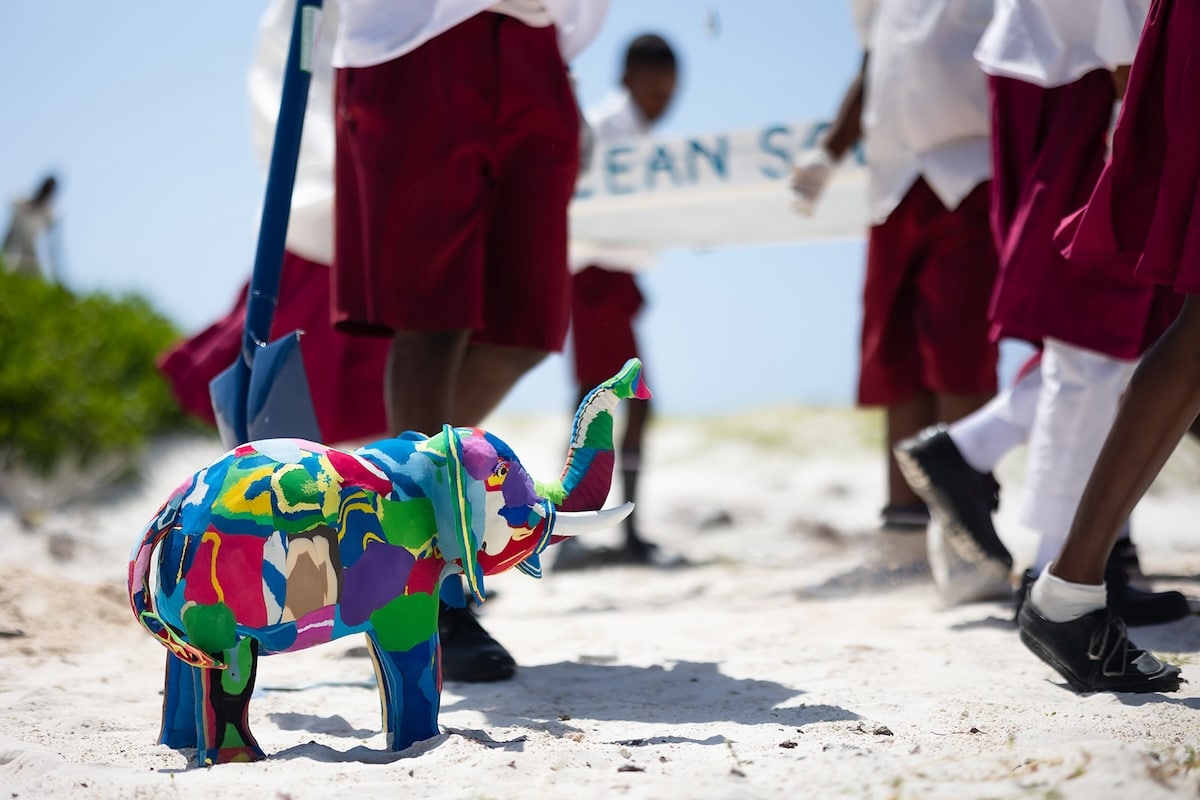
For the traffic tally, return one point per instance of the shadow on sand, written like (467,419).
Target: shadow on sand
(548,696)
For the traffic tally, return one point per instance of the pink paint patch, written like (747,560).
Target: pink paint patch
(198,585)
(240,574)
(423,579)
(356,472)
(315,627)
(236,580)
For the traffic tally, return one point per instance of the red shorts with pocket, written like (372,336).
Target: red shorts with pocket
(929,278)
(455,164)
(604,304)
(345,373)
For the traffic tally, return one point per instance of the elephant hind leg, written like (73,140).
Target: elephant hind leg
(222,702)
(409,691)
(179,705)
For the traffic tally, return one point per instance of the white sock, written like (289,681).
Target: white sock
(987,435)
(1062,601)
(984,439)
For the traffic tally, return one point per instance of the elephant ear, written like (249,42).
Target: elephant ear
(467,540)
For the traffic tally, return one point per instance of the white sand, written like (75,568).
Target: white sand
(719,680)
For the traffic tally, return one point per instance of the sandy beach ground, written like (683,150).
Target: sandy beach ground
(732,678)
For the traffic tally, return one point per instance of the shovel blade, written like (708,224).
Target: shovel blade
(228,391)
(267,400)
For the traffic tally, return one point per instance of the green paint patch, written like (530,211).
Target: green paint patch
(406,621)
(232,737)
(599,433)
(240,666)
(210,627)
(298,487)
(553,491)
(408,523)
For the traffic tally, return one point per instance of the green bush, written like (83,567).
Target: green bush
(77,374)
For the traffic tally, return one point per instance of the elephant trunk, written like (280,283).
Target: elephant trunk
(587,475)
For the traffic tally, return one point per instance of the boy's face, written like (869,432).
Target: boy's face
(651,89)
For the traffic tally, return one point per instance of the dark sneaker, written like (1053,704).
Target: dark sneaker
(1140,607)
(1135,606)
(1124,559)
(1094,653)
(961,498)
(469,653)
(573,556)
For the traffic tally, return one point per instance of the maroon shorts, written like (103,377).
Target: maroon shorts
(1048,149)
(929,277)
(345,373)
(455,164)
(1144,212)
(604,304)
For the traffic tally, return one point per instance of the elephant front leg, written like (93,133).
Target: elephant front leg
(409,690)
(222,702)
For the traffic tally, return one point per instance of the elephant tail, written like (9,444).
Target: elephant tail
(141,598)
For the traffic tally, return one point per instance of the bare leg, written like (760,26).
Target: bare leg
(424,371)
(1159,406)
(488,373)
(636,415)
(953,407)
(436,378)
(903,420)
(1194,428)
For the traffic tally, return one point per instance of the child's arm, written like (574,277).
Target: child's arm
(815,165)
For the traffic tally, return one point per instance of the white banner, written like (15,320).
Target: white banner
(710,191)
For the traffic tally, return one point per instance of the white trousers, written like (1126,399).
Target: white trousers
(987,435)
(1075,409)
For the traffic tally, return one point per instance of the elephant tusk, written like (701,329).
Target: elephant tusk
(573,523)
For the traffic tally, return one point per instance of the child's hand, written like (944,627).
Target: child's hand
(810,173)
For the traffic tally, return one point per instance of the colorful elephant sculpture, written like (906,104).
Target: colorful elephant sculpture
(284,544)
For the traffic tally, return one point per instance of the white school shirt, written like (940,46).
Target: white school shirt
(926,107)
(375,31)
(1055,42)
(310,226)
(615,120)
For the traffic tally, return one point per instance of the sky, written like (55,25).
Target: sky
(140,108)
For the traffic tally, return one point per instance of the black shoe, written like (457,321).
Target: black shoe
(1140,607)
(1022,593)
(469,653)
(1094,653)
(1124,557)
(961,498)
(575,557)
(1135,606)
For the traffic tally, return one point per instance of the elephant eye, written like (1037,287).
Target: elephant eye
(501,470)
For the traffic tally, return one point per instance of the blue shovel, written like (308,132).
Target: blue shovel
(264,394)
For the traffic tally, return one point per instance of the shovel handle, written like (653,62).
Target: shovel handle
(281,177)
